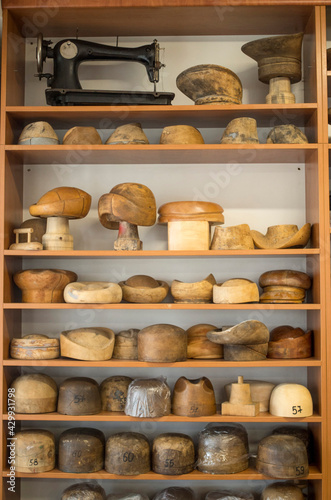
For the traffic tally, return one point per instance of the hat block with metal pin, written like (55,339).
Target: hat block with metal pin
(240,403)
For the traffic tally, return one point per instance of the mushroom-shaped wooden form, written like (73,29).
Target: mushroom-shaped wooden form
(287,342)
(240,402)
(286,134)
(181,134)
(282,457)
(173,454)
(81,136)
(34,347)
(193,398)
(282,236)
(241,131)
(38,133)
(291,400)
(88,344)
(58,206)
(284,286)
(43,285)
(200,292)
(81,450)
(34,451)
(35,393)
(93,292)
(236,291)
(210,84)
(279,64)
(142,289)
(128,454)
(278,491)
(260,392)
(131,133)
(127,206)
(86,491)
(232,238)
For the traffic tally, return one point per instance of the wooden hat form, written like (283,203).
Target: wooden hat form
(210,84)
(278,491)
(240,403)
(181,134)
(305,434)
(200,292)
(249,352)
(34,347)
(81,450)
(193,398)
(282,236)
(223,449)
(25,245)
(148,398)
(79,396)
(162,343)
(291,400)
(286,134)
(250,331)
(81,136)
(35,393)
(127,496)
(114,392)
(126,344)
(127,454)
(93,292)
(199,346)
(228,495)
(241,131)
(260,392)
(131,133)
(175,493)
(173,454)
(236,291)
(38,133)
(58,206)
(279,64)
(232,238)
(143,289)
(84,491)
(43,285)
(39,229)
(287,342)
(282,457)
(88,344)
(34,451)
(284,287)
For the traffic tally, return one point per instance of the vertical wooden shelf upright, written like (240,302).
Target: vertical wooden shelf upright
(265,18)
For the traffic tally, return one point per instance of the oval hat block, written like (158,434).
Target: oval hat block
(34,347)
(35,451)
(35,393)
(89,344)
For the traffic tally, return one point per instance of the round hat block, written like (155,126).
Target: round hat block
(162,343)
(302,433)
(232,238)
(126,344)
(260,392)
(148,398)
(228,495)
(127,454)
(285,277)
(39,229)
(175,493)
(241,131)
(34,347)
(81,450)
(114,392)
(282,457)
(190,211)
(286,134)
(69,202)
(199,346)
(89,344)
(181,134)
(291,400)
(38,133)
(82,135)
(173,454)
(35,393)
(84,491)
(200,292)
(34,451)
(287,342)
(210,84)
(282,236)
(93,292)
(128,496)
(235,291)
(79,396)
(143,289)
(131,133)
(279,491)
(249,352)
(43,285)
(250,331)
(223,449)
(193,398)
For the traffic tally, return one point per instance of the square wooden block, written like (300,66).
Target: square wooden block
(188,235)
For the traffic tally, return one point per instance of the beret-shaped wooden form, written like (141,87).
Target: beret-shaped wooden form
(287,342)
(114,392)
(149,398)
(241,131)
(82,135)
(200,292)
(43,285)
(81,450)
(126,344)
(175,493)
(210,84)
(181,134)
(260,392)
(291,400)
(84,491)
(199,346)
(228,495)
(35,393)
(89,344)
(142,289)
(232,238)
(34,347)
(236,291)
(93,292)
(250,331)
(130,202)
(38,133)
(69,202)
(193,398)
(79,396)
(162,343)
(131,133)
(282,236)
(173,454)
(279,491)
(286,134)
(34,451)
(190,211)
(127,454)
(285,277)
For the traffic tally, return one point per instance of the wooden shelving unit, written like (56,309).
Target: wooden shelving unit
(166,17)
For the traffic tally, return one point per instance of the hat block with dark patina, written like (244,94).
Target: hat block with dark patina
(127,454)
(193,398)
(130,133)
(279,491)
(175,493)
(79,396)
(114,392)
(84,491)
(173,454)
(162,343)
(236,291)
(284,286)
(287,342)
(81,450)
(43,285)
(286,134)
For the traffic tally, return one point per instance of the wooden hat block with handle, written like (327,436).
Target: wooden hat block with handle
(200,292)
(84,491)
(58,206)
(193,398)
(34,451)
(128,454)
(34,347)
(81,450)
(173,454)
(126,207)
(88,344)
(260,392)
(287,342)
(279,64)
(278,491)
(43,285)
(189,223)
(28,245)
(240,403)
(291,401)
(199,346)
(35,393)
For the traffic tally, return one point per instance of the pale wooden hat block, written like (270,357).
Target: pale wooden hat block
(57,236)
(232,238)
(89,344)
(162,343)
(114,392)
(130,133)
(34,347)
(34,451)
(250,331)
(38,133)
(81,136)
(126,344)
(144,290)
(291,400)
(173,454)
(148,398)
(35,393)
(181,134)
(287,342)
(127,454)
(200,292)
(193,398)
(81,450)
(286,134)
(93,292)
(188,235)
(199,346)
(79,396)
(282,236)
(28,245)
(84,491)
(240,403)
(43,285)
(241,131)
(278,491)
(235,291)
(175,493)
(260,392)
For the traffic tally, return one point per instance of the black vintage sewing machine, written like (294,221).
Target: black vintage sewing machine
(65,88)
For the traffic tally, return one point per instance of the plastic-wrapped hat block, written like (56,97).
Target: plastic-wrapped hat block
(148,398)
(175,493)
(228,495)
(84,491)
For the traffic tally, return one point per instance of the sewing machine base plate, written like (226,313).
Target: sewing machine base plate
(80,97)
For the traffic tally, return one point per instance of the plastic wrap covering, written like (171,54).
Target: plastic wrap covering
(228,495)
(148,398)
(127,496)
(223,449)
(84,491)
(282,491)
(175,493)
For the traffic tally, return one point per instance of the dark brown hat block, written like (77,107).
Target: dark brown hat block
(127,454)
(173,454)
(114,391)
(287,342)
(162,343)
(175,493)
(84,491)
(81,450)
(79,396)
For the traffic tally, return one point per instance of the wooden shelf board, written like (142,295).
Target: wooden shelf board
(248,474)
(152,154)
(165,306)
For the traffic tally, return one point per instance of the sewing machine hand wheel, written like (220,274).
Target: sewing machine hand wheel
(41,53)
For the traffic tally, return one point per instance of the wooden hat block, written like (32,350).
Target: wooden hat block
(282,457)
(173,454)
(228,495)
(126,207)
(84,491)
(279,64)
(148,398)
(284,287)
(240,403)
(286,134)
(127,454)
(232,238)
(35,393)
(79,396)
(241,131)
(236,291)
(34,451)
(58,206)
(287,342)
(199,346)
(43,285)
(114,392)
(130,133)
(28,245)
(81,136)
(260,392)
(34,347)
(88,344)
(249,352)
(81,450)
(181,134)
(162,343)
(282,236)
(38,133)
(143,289)
(126,344)
(291,400)
(305,434)
(93,292)
(200,292)
(250,331)
(193,398)
(278,491)
(175,493)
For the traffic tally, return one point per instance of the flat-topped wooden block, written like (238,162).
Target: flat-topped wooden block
(34,451)
(89,344)
(43,285)
(191,211)
(34,347)
(237,409)
(93,292)
(188,235)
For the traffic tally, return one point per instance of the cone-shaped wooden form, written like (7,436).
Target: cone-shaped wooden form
(81,450)
(240,401)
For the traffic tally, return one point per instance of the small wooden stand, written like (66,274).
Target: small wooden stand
(28,245)
(188,235)
(240,403)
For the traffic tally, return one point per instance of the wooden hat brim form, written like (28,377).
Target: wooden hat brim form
(278,237)
(190,211)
